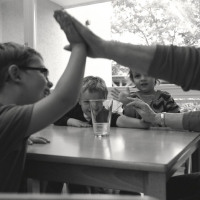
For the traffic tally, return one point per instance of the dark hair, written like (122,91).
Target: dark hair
(94,84)
(157,81)
(14,54)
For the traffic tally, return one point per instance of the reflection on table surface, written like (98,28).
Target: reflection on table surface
(125,147)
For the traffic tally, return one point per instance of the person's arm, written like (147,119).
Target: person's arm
(137,57)
(173,120)
(66,92)
(129,122)
(178,65)
(37,140)
(62,121)
(77,123)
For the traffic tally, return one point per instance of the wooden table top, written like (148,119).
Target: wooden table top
(156,149)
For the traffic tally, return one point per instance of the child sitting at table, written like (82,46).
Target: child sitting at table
(80,116)
(159,101)
(23,108)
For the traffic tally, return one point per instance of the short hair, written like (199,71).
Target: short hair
(14,54)
(94,84)
(130,73)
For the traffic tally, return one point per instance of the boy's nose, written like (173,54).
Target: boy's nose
(143,77)
(49,83)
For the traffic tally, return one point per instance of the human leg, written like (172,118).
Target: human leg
(78,189)
(184,187)
(54,187)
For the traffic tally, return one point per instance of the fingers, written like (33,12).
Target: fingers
(64,19)
(128,90)
(30,142)
(43,139)
(88,36)
(115,91)
(80,124)
(58,15)
(115,94)
(136,102)
(85,124)
(115,97)
(68,47)
(81,29)
(38,140)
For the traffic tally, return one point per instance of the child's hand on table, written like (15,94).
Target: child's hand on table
(37,140)
(77,123)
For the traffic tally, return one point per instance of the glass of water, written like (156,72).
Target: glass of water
(101,112)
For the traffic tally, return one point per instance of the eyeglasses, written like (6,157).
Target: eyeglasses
(43,70)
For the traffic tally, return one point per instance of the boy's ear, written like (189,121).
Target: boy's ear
(14,73)
(79,99)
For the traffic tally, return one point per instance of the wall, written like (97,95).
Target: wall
(99,17)
(51,40)
(12,21)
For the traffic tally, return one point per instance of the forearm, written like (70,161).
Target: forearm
(136,57)
(68,87)
(179,65)
(129,122)
(62,121)
(172,120)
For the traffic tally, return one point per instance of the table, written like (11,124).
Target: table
(129,159)
(69,197)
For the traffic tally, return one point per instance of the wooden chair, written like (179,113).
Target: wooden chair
(70,197)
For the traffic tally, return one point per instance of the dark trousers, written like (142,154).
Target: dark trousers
(184,187)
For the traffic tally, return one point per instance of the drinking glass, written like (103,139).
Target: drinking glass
(101,112)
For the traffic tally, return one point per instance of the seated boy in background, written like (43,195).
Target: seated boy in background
(80,116)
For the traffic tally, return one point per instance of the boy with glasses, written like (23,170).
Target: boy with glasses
(23,108)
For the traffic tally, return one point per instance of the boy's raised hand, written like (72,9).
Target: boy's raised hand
(95,45)
(68,27)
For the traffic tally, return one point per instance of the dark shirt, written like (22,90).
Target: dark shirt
(14,122)
(77,113)
(179,65)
